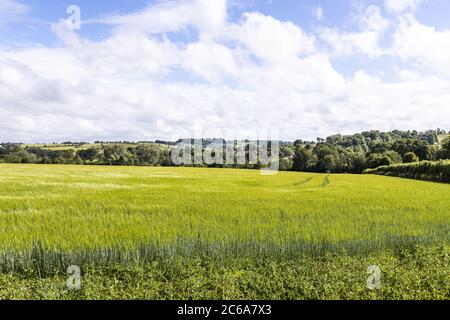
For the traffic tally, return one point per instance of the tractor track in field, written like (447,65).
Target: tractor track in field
(326,181)
(304,181)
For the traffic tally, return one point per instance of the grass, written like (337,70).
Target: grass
(54,147)
(130,218)
(407,274)
(78,147)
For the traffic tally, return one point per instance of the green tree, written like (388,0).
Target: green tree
(376,160)
(328,158)
(394,156)
(410,157)
(77,160)
(115,154)
(446,148)
(304,158)
(148,154)
(21,156)
(90,154)
(286,164)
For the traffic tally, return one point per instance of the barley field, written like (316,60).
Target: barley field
(122,224)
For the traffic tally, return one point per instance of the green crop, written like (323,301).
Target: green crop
(52,216)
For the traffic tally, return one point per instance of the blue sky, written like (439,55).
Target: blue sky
(164,69)
(337,13)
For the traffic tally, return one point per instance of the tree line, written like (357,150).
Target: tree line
(336,153)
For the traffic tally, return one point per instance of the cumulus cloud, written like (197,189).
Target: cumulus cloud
(272,40)
(397,6)
(232,79)
(429,47)
(372,20)
(352,43)
(366,41)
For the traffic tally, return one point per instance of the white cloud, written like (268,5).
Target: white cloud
(352,43)
(65,33)
(397,6)
(210,60)
(11,10)
(270,39)
(409,75)
(407,104)
(372,20)
(170,16)
(233,77)
(366,41)
(424,45)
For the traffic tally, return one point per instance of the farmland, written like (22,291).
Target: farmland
(152,232)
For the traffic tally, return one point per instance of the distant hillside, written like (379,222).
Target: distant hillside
(85,146)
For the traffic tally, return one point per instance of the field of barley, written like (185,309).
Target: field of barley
(163,226)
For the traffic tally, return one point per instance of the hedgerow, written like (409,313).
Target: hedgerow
(438,171)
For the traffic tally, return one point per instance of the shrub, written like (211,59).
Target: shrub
(411,157)
(438,171)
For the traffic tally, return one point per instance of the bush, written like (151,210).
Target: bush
(438,171)
(411,157)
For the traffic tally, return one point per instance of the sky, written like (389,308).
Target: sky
(168,69)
